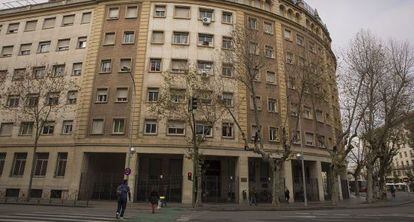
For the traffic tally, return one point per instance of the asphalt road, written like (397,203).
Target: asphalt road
(404,213)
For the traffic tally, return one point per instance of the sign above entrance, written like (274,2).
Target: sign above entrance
(127,171)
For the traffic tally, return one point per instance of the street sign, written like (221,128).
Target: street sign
(127,171)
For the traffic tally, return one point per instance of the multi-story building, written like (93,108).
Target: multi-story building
(101,45)
(402,165)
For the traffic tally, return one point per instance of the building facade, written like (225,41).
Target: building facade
(104,45)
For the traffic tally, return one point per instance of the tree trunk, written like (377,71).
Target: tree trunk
(381,185)
(276,183)
(32,169)
(199,187)
(335,185)
(356,185)
(369,184)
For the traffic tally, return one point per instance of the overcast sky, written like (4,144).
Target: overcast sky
(344,18)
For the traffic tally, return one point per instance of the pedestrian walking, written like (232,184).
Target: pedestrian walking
(124,194)
(287,195)
(253,197)
(392,189)
(154,200)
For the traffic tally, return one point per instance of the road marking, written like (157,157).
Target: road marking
(66,216)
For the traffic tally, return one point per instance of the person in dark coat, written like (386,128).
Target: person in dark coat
(154,197)
(122,192)
(287,195)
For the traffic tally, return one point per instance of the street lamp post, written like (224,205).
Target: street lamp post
(131,150)
(300,156)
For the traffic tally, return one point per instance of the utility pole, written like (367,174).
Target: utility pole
(305,198)
(192,106)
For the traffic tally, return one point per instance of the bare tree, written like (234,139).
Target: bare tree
(204,93)
(356,158)
(33,97)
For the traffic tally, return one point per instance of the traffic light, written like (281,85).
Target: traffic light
(194,103)
(190,176)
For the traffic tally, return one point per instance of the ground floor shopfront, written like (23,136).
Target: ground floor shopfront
(229,176)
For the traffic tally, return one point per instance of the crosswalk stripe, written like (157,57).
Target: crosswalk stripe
(17,220)
(67,216)
(48,218)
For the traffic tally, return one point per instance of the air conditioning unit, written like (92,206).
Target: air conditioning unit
(204,73)
(206,20)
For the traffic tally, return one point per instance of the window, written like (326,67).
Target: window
(227,17)
(273,134)
(204,96)
(227,130)
(258,103)
(254,133)
(49,23)
(272,105)
(307,113)
(131,11)
(67,127)
(287,34)
(6,129)
(321,141)
(48,128)
(155,65)
(109,38)
(299,40)
(57,194)
(86,17)
(13,101)
(309,139)
(129,37)
(106,66)
(30,26)
(118,126)
(43,47)
(227,43)
(2,160)
(181,12)
(102,95)
(19,163)
(179,65)
(157,37)
(81,43)
(291,84)
(227,70)
(270,77)
(204,68)
(62,159)
(19,74)
(63,45)
(301,61)
(113,13)
(177,95)
(228,99)
(254,48)
(206,13)
(32,100)
(205,40)
(268,28)
(97,126)
(252,22)
(296,137)
(180,38)
(153,94)
(77,69)
(159,11)
(319,115)
(13,28)
(25,49)
(289,58)
(175,128)
(3,75)
(72,96)
(41,164)
(7,51)
(269,52)
(150,127)
(26,128)
(204,129)
(68,20)
(58,70)
(122,95)
(125,65)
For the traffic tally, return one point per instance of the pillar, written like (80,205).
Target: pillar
(187,189)
(340,188)
(318,173)
(75,167)
(287,168)
(242,174)
(133,165)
